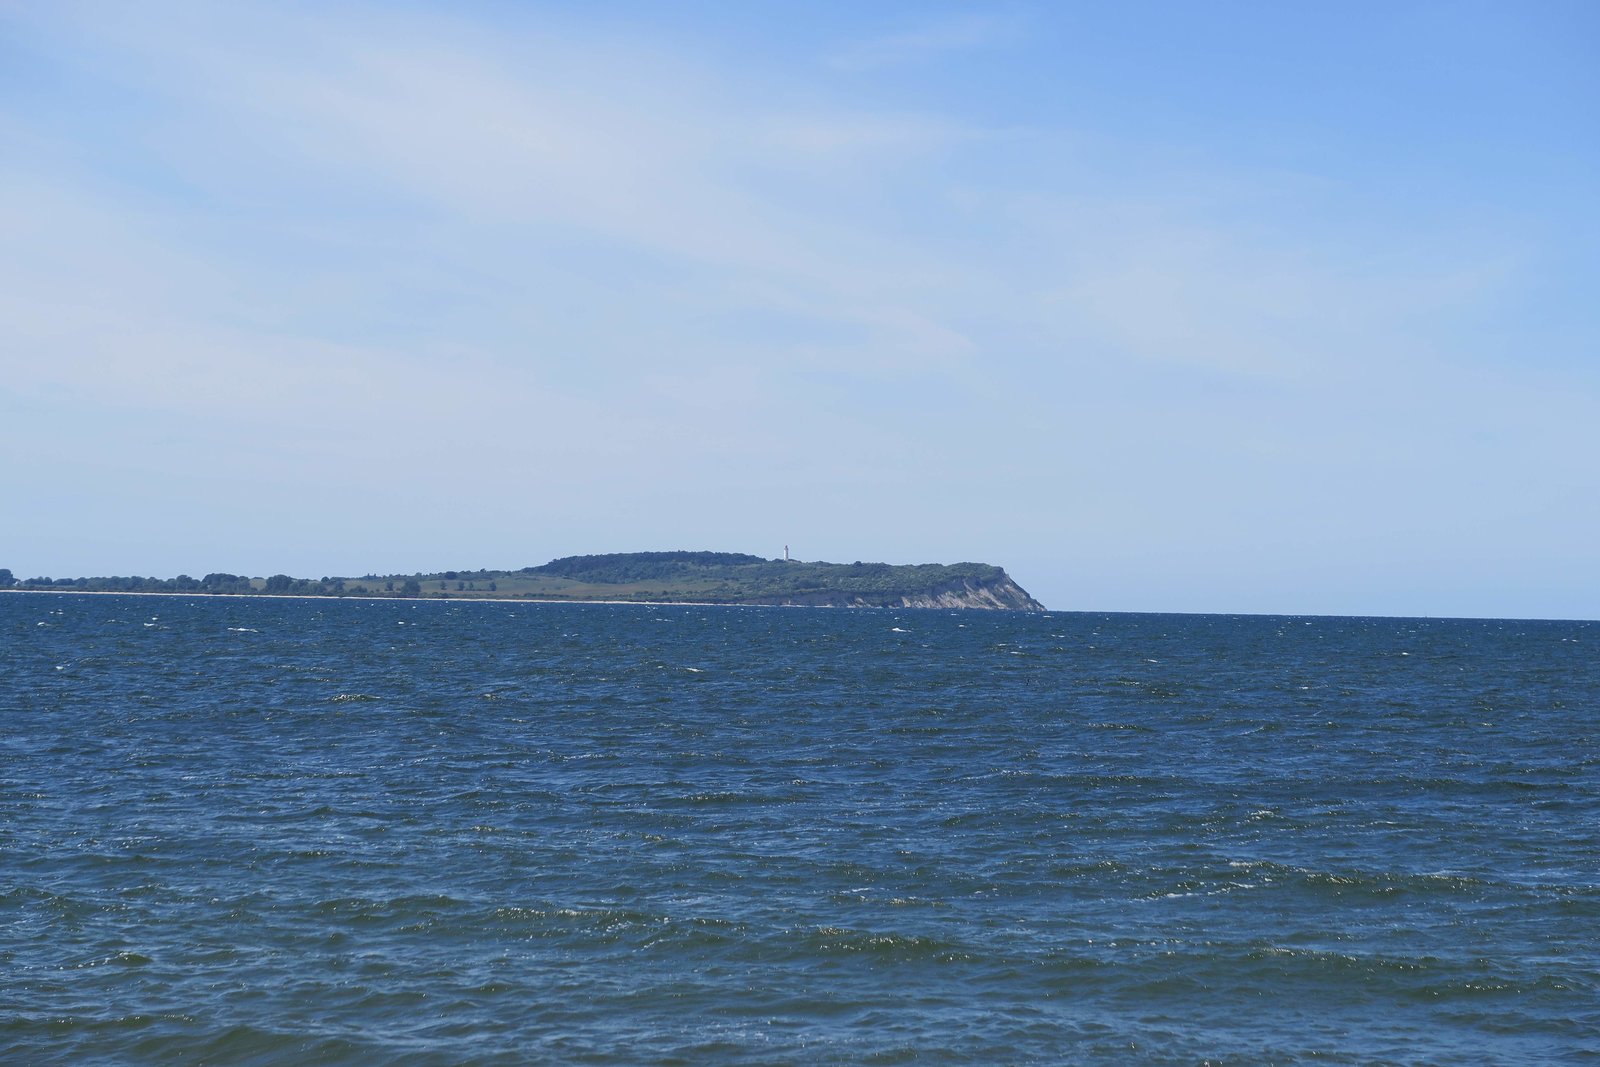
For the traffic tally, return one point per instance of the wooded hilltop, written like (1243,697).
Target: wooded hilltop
(652,577)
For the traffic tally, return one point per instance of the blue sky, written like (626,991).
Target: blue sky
(1229,307)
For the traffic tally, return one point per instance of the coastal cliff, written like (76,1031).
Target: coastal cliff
(1002,594)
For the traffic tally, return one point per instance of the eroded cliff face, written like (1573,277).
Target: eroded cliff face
(1004,595)
(1001,595)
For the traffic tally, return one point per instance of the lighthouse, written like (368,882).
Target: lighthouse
(786,553)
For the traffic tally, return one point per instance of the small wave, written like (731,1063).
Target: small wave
(410,908)
(1376,883)
(355,698)
(835,940)
(1214,891)
(713,798)
(124,958)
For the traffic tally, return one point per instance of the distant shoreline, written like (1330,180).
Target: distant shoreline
(456,599)
(676,577)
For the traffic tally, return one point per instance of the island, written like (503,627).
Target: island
(633,577)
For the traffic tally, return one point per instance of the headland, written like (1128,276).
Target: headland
(629,577)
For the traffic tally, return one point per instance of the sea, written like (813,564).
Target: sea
(254,830)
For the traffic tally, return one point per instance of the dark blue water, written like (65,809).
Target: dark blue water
(263,831)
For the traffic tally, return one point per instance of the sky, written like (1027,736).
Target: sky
(1231,307)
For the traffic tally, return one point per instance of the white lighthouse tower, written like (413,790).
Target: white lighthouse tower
(786,553)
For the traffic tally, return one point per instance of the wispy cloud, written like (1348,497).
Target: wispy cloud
(424,132)
(527,177)
(926,41)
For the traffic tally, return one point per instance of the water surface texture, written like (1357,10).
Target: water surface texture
(262,831)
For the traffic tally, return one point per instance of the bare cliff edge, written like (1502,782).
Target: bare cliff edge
(1002,595)
(643,577)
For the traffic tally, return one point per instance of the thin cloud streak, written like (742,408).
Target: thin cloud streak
(930,40)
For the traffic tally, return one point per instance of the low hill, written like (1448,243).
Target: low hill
(655,577)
